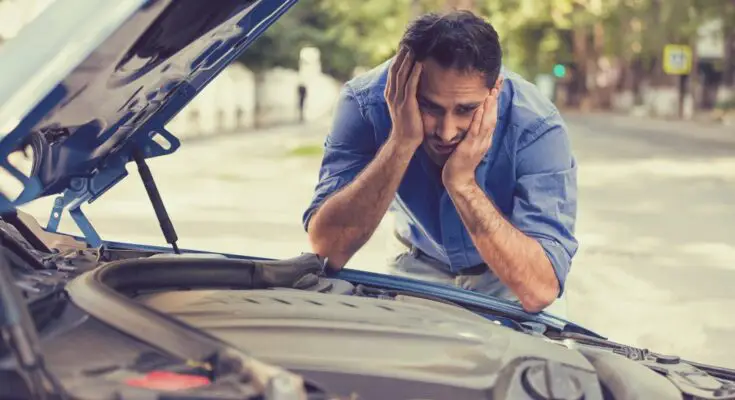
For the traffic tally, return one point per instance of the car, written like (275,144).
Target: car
(87,89)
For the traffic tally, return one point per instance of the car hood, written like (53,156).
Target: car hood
(91,82)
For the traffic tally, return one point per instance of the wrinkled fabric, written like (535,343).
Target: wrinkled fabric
(529,173)
(406,264)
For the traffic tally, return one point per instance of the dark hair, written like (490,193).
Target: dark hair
(457,39)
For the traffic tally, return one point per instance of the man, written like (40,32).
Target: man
(302,101)
(474,161)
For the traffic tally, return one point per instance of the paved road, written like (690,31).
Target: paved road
(657,230)
(656,266)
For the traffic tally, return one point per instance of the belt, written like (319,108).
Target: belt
(474,270)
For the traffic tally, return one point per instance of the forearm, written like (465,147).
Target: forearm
(345,222)
(517,260)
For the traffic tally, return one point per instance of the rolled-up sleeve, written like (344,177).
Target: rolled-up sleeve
(348,148)
(545,202)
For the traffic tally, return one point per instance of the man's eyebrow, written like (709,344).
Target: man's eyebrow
(429,102)
(469,105)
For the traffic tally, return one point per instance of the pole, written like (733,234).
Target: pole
(682,94)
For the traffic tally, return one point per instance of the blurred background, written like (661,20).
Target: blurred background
(661,58)
(647,88)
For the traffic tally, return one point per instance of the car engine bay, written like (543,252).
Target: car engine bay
(110,317)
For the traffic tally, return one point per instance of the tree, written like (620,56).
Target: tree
(302,25)
(590,37)
(349,34)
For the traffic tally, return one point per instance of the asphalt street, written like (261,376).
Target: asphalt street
(656,222)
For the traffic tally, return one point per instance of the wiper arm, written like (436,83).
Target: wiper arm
(639,354)
(18,331)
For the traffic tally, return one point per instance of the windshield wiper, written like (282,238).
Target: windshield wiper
(19,333)
(639,354)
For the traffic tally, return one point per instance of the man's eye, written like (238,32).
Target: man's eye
(464,110)
(429,108)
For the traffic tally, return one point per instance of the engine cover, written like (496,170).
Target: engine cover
(386,349)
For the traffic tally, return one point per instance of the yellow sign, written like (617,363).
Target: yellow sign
(677,59)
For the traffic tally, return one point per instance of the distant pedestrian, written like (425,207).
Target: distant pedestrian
(302,100)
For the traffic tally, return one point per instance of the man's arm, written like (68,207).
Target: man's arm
(345,222)
(532,253)
(346,219)
(518,260)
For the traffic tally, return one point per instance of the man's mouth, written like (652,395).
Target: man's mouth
(443,149)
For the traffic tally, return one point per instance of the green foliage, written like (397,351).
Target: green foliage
(348,33)
(535,34)
(726,105)
(306,150)
(301,26)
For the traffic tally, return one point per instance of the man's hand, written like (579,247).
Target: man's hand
(400,93)
(459,169)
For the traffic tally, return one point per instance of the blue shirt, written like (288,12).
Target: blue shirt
(529,173)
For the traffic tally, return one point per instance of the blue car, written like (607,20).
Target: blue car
(88,89)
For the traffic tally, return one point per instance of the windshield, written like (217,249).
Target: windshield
(608,178)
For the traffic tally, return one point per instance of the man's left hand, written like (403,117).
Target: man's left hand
(459,170)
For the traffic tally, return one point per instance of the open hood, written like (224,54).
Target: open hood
(90,84)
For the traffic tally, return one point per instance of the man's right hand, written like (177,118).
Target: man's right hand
(400,93)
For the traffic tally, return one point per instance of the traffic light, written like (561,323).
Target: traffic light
(560,70)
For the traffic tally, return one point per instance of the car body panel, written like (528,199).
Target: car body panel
(107,85)
(390,282)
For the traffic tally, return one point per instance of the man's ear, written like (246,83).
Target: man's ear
(499,82)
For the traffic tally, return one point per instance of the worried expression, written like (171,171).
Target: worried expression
(447,100)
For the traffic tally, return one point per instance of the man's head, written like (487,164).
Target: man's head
(461,58)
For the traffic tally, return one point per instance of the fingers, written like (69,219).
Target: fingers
(396,64)
(388,91)
(391,84)
(390,81)
(402,76)
(412,86)
(405,68)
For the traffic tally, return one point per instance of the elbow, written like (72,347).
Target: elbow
(336,244)
(326,250)
(543,289)
(540,297)
(535,304)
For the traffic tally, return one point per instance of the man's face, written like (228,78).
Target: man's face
(447,99)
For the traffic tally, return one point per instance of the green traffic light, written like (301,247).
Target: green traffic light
(560,70)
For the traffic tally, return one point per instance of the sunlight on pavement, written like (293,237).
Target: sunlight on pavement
(713,253)
(605,173)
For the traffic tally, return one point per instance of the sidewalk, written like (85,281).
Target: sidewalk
(684,128)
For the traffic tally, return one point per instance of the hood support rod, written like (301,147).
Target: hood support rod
(167,227)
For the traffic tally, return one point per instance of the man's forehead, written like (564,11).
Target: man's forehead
(448,92)
(438,83)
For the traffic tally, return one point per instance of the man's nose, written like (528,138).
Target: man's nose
(448,129)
